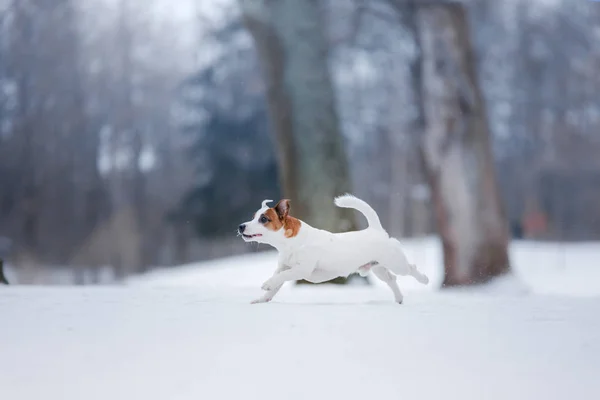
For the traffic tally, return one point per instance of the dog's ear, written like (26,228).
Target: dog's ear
(282,208)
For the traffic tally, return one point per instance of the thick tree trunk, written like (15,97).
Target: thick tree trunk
(456,150)
(313,167)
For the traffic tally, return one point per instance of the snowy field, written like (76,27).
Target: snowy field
(189,333)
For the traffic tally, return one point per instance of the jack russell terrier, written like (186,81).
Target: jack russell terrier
(317,255)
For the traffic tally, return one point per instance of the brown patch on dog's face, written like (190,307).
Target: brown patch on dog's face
(271,220)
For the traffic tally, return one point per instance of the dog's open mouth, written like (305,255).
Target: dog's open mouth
(251,236)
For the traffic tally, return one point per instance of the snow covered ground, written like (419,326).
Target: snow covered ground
(189,333)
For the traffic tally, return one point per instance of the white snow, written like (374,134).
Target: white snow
(189,333)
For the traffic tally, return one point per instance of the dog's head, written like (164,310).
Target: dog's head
(270,225)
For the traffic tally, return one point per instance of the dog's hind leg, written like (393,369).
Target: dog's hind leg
(418,275)
(397,262)
(403,268)
(390,279)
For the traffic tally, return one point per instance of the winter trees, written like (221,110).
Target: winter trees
(89,164)
(46,132)
(292,47)
(134,63)
(89,135)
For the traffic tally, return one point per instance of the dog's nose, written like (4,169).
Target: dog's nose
(241,228)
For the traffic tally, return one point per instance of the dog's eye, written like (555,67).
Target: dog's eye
(263,219)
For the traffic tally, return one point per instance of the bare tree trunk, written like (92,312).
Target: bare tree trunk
(456,150)
(313,167)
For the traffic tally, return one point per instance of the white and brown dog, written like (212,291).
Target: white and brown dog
(317,255)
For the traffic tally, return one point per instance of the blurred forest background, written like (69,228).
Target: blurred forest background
(140,133)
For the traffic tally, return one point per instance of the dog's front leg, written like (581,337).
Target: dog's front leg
(268,296)
(295,273)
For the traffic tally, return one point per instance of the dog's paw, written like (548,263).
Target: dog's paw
(261,300)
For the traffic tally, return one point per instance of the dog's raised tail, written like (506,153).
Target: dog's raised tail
(350,201)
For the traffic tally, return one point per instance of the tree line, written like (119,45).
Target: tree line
(470,119)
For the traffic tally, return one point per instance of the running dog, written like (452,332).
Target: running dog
(316,255)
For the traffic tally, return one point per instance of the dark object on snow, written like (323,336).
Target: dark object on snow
(2,277)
